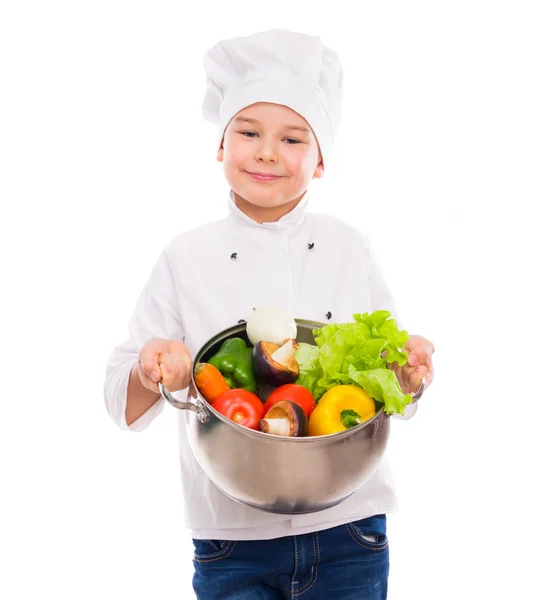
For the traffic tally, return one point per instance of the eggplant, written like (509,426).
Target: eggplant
(275,365)
(285,418)
(264,390)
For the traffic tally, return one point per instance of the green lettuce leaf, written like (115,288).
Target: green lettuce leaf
(310,370)
(382,385)
(351,353)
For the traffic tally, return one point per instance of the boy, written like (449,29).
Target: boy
(276,98)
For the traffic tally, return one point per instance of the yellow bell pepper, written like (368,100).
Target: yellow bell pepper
(340,408)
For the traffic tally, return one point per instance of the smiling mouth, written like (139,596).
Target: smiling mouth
(264,177)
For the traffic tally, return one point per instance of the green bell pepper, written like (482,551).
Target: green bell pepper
(234,361)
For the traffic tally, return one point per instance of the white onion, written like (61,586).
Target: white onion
(270,323)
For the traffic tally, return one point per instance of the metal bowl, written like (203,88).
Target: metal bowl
(274,473)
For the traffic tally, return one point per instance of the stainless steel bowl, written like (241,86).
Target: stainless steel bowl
(274,473)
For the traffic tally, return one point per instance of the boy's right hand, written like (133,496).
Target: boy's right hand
(168,361)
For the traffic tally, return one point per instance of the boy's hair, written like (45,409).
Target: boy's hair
(278,66)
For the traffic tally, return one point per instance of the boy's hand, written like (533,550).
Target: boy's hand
(165,360)
(419,365)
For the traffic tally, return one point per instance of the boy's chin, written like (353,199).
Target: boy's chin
(264,198)
(263,202)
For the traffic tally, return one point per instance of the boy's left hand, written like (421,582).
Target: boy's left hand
(419,365)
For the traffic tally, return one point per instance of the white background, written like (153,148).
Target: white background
(105,157)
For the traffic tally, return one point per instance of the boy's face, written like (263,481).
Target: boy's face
(270,139)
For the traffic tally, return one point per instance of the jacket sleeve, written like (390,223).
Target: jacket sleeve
(380,298)
(156,315)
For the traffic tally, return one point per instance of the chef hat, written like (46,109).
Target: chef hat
(278,66)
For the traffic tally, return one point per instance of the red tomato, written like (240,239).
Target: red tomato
(241,406)
(295,393)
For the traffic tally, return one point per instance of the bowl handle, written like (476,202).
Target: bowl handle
(420,391)
(201,412)
(415,398)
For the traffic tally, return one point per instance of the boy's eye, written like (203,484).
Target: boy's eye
(291,141)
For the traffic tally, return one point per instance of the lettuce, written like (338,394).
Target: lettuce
(310,370)
(383,386)
(352,353)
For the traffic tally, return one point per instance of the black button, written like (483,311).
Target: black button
(329,315)
(241,321)
(233,256)
(310,246)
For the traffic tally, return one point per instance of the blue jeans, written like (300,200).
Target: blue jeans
(346,562)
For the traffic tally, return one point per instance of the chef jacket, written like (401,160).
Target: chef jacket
(210,278)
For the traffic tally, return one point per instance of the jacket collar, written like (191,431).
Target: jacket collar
(290,221)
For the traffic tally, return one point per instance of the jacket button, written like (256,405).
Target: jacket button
(310,246)
(233,256)
(329,315)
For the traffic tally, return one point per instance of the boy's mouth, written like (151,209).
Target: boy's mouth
(264,176)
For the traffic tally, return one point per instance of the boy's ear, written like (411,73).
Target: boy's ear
(319,171)
(220,154)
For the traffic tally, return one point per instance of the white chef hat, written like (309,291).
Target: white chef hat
(278,66)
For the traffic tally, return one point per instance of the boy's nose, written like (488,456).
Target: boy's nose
(266,152)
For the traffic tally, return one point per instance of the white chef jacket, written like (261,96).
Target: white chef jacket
(211,277)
